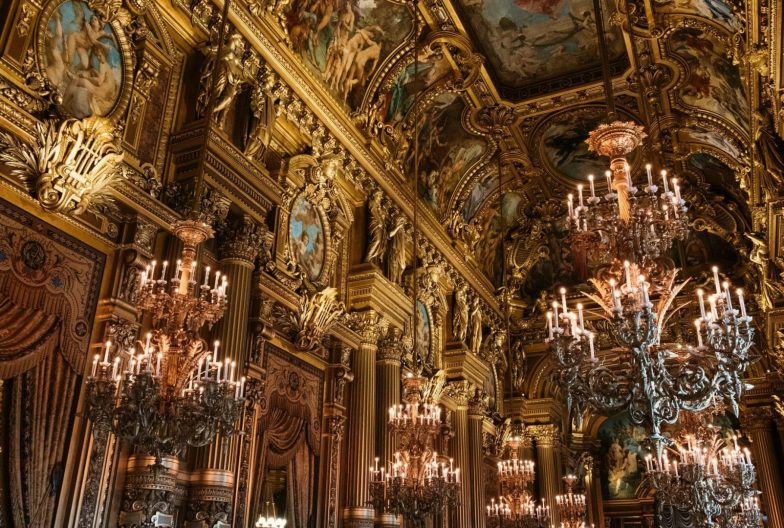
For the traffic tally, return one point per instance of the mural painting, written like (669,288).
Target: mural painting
(563,146)
(713,83)
(488,250)
(622,458)
(717,10)
(423,332)
(82,60)
(346,40)
(446,151)
(713,138)
(413,79)
(306,238)
(483,188)
(526,40)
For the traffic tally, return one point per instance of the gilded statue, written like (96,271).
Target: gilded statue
(231,71)
(519,365)
(760,256)
(770,154)
(476,326)
(377,226)
(262,120)
(460,314)
(397,249)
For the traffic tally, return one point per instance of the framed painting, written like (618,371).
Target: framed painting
(424,332)
(307,237)
(84,58)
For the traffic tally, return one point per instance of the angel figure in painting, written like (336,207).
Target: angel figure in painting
(87,40)
(376,229)
(397,250)
(476,327)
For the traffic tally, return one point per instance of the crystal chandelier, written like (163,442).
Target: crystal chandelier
(515,507)
(268,518)
(175,392)
(417,483)
(570,505)
(707,476)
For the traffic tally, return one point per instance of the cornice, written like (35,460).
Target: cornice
(267,40)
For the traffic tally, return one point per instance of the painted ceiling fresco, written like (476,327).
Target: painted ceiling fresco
(718,11)
(446,150)
(345,41)
(532,42)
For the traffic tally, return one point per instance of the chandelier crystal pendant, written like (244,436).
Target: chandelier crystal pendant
(516,507)
(175,392)
(707,475)
(417,483)
(571,506)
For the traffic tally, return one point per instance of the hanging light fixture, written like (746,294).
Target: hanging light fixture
(268,518)
(516,507)
(653,379)
(176,392)
(417,483)
(571,506)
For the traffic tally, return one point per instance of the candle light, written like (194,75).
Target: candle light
(727,296)
(106,352)
(699,335)
(677,189)
(242,387)
(715,270)
(590,345)
(115,367)
(570,204)
(608,175)
(700,296)
(590,181)
(217,278)
(147,342)
(664,179)
(158,364)
(177,269)
(163,270)
(550,324)
(648,168)
(580,316)
(580,194)
(95,364)
(555,310)
(207,276)
(152,270)
(626,267)
(563,301)
(215,350)
(742,304)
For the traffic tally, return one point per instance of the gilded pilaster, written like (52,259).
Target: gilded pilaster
(460,392)
(548,473)
(758,425)
(213,482)
(362,426)
(476,414)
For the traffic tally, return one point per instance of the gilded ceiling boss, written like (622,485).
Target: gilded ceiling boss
(391,263)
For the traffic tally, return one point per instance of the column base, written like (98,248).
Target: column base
(358,517)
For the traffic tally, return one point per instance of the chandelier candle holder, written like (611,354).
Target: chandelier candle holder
(176,392)
(655,380)
(571,506)
(707,476)
(515,507)
(417,483)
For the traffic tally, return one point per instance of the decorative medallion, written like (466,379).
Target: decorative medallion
(307,238)
(424,332)
(84,58)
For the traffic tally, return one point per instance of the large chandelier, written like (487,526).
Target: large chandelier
(571,506)
(706,475)
(515,507)
(417,483)
(653,379)
(175,392)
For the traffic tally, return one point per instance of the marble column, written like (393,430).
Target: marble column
(476,415)
(547,468)
(361,435)
(238,244)
(390,351)
(758,426)
(460,393)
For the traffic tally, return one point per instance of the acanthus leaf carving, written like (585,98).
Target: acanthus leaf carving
(316,314)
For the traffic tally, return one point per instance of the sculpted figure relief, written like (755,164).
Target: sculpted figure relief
(231,71)
(262,121)
(460,315)
(376,250)
(476,326)
(397,250)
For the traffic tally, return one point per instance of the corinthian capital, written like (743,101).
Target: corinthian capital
(241,238)
(546,435)
(393,346)
(460,391)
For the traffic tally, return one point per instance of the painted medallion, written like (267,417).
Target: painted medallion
(306,238)
(423,332)
(82,59)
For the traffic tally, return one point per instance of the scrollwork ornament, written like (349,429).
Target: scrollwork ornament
(69,166)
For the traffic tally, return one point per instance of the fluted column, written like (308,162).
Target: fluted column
(216,465)
(362,427)
(758,425)
(547,470)
(390,350)
(476,415)
(460,392)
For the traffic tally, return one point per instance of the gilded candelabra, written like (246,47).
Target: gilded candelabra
(571,506)
(175,392)
(268,518)
(515,507)
(417,483)
(709,476)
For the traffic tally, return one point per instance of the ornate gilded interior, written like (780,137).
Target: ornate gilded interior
(296,139)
